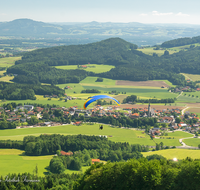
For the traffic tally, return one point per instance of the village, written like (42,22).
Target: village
(166,119)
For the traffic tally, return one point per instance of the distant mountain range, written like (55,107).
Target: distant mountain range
(134,32)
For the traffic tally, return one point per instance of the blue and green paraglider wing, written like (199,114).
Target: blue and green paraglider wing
(94,98)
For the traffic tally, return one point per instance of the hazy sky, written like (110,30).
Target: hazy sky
(145,11)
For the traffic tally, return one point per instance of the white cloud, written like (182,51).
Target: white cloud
(156,13)
(143,14)
(181,14)
(3,14)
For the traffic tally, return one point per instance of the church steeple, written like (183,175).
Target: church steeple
(149,110)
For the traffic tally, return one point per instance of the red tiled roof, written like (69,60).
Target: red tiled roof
(66,153)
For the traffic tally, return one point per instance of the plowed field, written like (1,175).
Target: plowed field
(142,83)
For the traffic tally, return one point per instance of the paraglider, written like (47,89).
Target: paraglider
(97,97)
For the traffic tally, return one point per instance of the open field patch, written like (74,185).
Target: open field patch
(8,61)
(150,51)
(175,153)
(91,80)
(90,67)
(142,83)
(6,78)
(22,164)
(10,152)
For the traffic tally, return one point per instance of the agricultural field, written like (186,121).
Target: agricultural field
(142,83)
(175,153)
(114,134)
(188,99)
(90,67)
(194,110)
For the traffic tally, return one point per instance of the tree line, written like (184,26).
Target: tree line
(142,174)
(16,91)
(181,42)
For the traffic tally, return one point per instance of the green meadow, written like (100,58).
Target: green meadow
(175,153)
(8,61)
(114,134)
(150,51)
(14,161)
(90,67)
(192,142)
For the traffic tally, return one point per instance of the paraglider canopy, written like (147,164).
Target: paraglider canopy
(97,97)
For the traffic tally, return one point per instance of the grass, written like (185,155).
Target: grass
(12,161)
(187,99)
(8,61)
(114,134)
(6,78)
(95,68)
(175,153)
(192,142)
(54,101)
(179,134)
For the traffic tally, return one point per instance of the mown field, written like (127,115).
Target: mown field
(176,153)
(90,67)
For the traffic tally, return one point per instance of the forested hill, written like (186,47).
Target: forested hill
(130,64)
(180,42)
(112,51)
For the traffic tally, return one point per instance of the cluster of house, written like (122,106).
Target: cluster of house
(163,116)
(185,89)
(63,153)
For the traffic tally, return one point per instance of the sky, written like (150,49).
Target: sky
(143,11)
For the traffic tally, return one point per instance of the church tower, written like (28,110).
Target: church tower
(149,110)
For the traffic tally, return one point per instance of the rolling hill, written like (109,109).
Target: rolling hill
(129,63)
